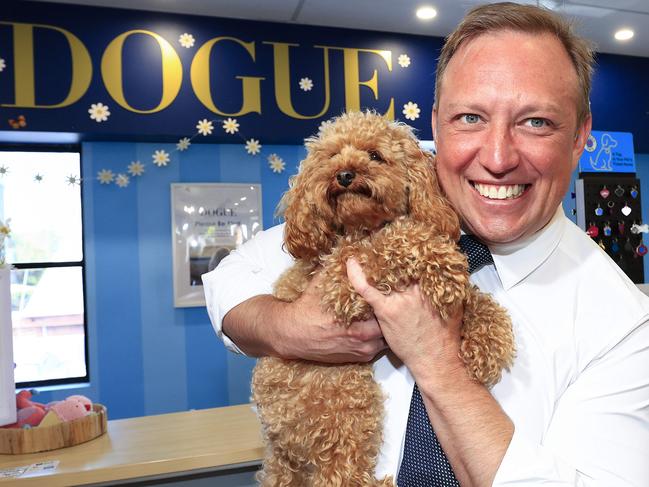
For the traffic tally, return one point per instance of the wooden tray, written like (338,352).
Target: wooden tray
(17,441)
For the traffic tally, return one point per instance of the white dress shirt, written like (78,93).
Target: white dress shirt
(578,393)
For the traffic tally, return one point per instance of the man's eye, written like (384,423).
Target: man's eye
(470,118)
(537,123)
(375,156)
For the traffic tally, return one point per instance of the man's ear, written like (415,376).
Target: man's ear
(434,124)
(583,131)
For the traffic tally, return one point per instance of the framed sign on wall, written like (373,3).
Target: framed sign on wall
(208,220)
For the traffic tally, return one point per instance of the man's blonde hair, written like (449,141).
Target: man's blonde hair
(510,16)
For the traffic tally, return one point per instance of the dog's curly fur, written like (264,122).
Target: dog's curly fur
(323,423)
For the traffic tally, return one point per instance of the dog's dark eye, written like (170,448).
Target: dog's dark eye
(375,156)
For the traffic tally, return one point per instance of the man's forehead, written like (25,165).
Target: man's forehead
(520,54)
(507,38)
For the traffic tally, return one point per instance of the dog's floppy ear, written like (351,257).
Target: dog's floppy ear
(308,231)
(427,204)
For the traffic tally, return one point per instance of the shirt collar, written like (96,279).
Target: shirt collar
(517,260)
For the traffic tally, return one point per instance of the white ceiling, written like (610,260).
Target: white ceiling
(596,19)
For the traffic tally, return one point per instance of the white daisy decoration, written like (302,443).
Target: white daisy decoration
(411,110)
(73,180)
(204,127)
(38,178)
(253,147)
(160,158)
(122,180)
(403,60)
(3,65)
(183,144)
(99,112)
(105,176)
(276,163)
(136,168)
(4,170)
(230,126)
(186,40)
(306,84)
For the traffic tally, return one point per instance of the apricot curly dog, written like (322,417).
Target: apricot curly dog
(365,189)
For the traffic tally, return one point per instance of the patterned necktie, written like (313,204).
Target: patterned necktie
(424,463)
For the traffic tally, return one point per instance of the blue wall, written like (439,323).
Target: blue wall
(148,357)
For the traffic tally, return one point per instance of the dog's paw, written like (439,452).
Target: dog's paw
(339,296)
(488,346)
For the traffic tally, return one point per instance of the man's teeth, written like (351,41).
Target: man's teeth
(499,192)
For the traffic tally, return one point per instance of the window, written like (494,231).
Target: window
(41,195)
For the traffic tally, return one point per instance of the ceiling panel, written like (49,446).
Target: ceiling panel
(596,19)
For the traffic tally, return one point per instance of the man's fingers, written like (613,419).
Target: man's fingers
(365,330)
(358,280)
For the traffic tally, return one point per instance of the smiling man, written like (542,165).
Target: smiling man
(510,121)
(509,131)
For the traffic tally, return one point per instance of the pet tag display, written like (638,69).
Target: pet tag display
(609,211)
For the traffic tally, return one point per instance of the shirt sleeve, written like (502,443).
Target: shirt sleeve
(599,432)
(250,270)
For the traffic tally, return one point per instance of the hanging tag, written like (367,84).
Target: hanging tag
(604,192)
(607,230)
(599,211)
(619,191)
(593,230)
(626,210)
(634,192)
(641,249)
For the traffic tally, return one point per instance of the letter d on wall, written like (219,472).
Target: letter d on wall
(7,387)
(23,39)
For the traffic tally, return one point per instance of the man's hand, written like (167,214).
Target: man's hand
(264,325)
(413,330)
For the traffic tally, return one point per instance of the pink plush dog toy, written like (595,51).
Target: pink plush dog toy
(32,414)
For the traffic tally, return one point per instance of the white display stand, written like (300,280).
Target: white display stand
(7,386)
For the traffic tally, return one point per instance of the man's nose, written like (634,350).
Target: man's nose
(499,153)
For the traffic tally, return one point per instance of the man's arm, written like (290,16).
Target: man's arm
(599,431)
(250,320)
(264,325)
(470,425)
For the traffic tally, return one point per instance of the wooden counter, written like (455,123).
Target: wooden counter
(160,446)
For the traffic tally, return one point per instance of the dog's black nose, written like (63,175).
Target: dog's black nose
(345,178)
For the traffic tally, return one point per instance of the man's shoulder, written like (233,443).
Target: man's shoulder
(603,292)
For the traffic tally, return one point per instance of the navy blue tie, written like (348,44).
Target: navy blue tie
(424,463)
